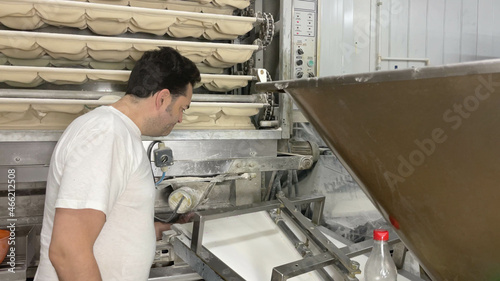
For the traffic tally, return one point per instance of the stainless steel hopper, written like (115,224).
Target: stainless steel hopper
(424,144)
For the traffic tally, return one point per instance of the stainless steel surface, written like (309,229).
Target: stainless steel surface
(26,173)
(54,135)
(330,255)
(423,145)
(296,268)
(205,263)
(173,273)
(237,166)
(299,245)
(220,135)
(345,265)
(118,40)
(24,252)
(285,114)
(286,17)
(60,94)
(63,94)
(217,149)
(26,153)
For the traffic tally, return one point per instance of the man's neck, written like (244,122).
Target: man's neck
(133,109)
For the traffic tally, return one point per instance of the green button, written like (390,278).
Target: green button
(310,63)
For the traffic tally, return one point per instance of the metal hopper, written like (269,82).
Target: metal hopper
(424,144)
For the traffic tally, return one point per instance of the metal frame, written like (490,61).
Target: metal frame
(330,254)
(238,165)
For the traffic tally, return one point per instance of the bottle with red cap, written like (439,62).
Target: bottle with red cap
(380,265)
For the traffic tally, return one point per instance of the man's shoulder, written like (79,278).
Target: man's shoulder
(101,117)
(100,121)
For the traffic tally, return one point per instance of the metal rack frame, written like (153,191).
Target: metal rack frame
(212,268)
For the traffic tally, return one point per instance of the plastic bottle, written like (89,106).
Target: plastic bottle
(380,265)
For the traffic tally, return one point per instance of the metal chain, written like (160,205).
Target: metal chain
(269,112)
(267,29)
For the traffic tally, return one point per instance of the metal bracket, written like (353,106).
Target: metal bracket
(331,254)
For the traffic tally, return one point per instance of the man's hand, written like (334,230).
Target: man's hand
(71,249)
(160,226)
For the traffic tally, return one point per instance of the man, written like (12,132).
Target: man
(98,221)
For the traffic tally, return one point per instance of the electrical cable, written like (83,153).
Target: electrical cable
(173,214)
(150,149)
(161,179)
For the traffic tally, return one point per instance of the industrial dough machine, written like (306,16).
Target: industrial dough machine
(61,59)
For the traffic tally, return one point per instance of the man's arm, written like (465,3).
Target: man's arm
(71,248)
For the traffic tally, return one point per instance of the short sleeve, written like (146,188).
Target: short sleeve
(95,169)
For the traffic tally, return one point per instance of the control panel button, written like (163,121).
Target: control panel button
(300,51)
(310,74)
(300,74)
(310,63)
(300,62)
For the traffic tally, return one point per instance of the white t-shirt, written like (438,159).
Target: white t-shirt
(100,163)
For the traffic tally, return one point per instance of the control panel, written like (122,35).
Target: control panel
(304,38)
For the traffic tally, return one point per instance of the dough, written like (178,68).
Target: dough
(58,15)
(238,122)
(21,47)
(57,120)
(235,111)
(109,56)
(14,8)
(240,4)
(19,107)
(233,27)
(109,52)
(180,31)
(60,78)
(111,2)
(202,110)
(63,48)
(42,62)
(106,23)
(23,77)
(65,62)
(212,34)
(121,77)
(197,55)
(108,65)
(22,22)
(207,69)
(65,108)
(18,120)
(224,85)
(151,23)
(110,98)
(107,27)
(203,1)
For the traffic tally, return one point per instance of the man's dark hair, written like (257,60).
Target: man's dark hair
(162,69)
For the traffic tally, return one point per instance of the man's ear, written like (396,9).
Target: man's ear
(161,98)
